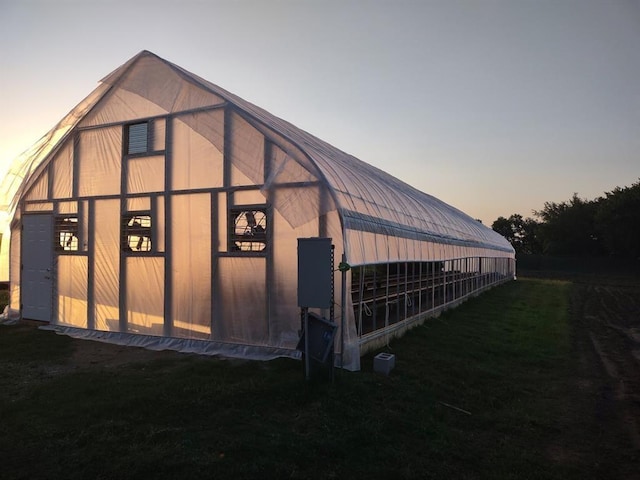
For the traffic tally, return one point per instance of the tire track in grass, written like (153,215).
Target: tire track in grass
(613,319)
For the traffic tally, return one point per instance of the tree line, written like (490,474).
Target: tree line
(608,225)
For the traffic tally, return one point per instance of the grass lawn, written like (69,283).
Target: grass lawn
(487,390)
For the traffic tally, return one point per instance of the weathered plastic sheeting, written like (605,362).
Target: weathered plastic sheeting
(145,174)
(284,313)
(296,186)
(4,254)
(62,171)
(290,171)
(106,258)
(192,345)
(191,266)
(158,134)
(385,205)
(145,295)
(331,227)
(197,158)
(101,154)
(150,89)
(350,357)
(9,316)
(304,182)
(140,204)
(39,207)
(246,149)
(378,241)
(396,249)
(249,197)
(160,221)
(14,263)
(16,181)
(374,193)
(40,189)
(154,79)
(243,295)
(71,290)
(245,137)
(121,106)
(293,151)
(246,152)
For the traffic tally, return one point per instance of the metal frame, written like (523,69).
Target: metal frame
(461,278)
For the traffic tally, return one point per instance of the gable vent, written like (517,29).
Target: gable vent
(138,138)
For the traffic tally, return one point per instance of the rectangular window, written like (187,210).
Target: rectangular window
(137,232)
(66,234)
(248,229)
(138,138)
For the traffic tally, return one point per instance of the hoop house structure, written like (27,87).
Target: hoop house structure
(164,211)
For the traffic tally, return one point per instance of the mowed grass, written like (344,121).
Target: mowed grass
(484,391)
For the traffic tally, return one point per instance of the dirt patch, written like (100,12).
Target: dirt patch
(606,323)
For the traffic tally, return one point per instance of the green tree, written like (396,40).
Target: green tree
(522,233)
(530,236)
(617,220)
(568,228)
(503,226)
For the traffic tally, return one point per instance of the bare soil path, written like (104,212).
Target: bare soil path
(606,336)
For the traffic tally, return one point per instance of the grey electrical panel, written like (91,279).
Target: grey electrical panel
(315,271)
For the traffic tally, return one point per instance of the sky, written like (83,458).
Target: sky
(493,106)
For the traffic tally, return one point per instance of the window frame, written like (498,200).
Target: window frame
(260,237)
(58,223)
(127,231)
(149,139)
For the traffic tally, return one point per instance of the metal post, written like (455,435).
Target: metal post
(306,343)
(343,310)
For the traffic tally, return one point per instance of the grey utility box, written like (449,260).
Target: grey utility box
(315,271)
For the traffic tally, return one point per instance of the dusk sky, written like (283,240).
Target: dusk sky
(492,106)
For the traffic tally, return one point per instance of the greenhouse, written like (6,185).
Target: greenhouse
(165,212)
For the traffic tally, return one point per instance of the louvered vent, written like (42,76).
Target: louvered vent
(138,138)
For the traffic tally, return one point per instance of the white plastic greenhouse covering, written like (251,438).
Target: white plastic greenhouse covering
(155,147)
